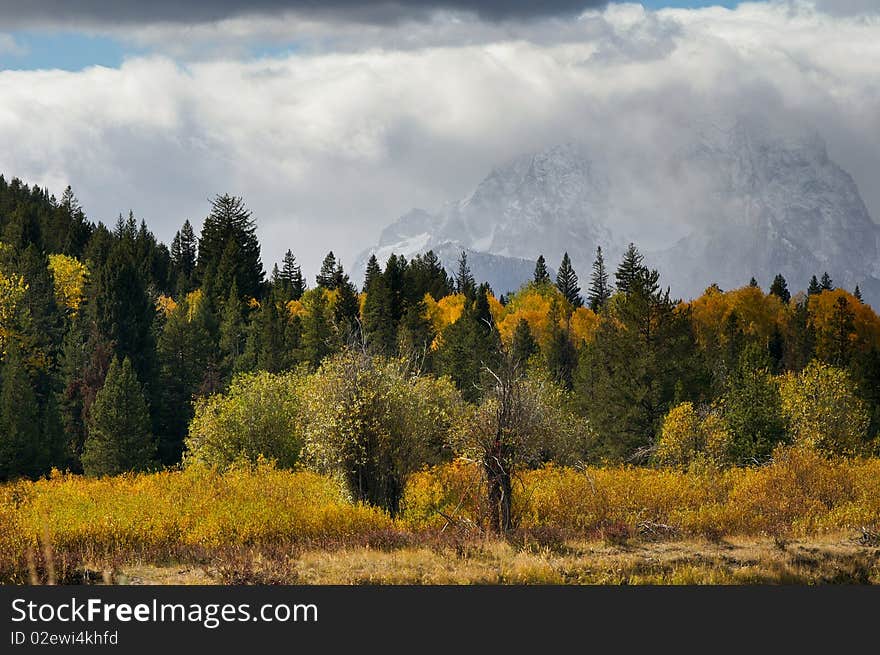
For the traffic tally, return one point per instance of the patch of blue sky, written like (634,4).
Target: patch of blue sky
(73,51)
(70,51)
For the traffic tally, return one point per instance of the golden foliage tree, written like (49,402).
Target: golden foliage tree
(70,277)
(823,410)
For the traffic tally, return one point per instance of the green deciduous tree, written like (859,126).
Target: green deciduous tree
(373,421)
(258,416)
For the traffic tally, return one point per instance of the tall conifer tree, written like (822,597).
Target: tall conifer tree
(567,282)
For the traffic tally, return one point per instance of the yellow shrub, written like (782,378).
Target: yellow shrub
(687,437)
(199,512)
(823,409)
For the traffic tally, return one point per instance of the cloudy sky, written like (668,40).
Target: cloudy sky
(333,121)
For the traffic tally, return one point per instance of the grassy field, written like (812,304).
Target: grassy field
(801,519)
(827,559)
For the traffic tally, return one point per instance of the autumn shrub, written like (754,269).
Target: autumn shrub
(447,494)
(799,492)
(14,539)
(823,410)
(259,416)
(205,515)
(794,493)
(688,436)
(178,515)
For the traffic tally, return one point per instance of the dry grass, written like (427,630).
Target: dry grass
(831,559)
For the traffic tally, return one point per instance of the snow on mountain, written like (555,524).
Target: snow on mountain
(781,206)
(552,201)
(737,199)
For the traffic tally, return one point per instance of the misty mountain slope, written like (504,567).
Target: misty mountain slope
(548,202)
(781,206)
(750,200)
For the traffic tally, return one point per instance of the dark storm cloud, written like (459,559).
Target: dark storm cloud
(138,12)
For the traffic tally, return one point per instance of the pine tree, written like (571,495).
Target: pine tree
(801,342)
(636,365)
(857,293)
(225,274)
(265,344)
(753,283)
(124,312)
(541,276)
(779,288)
(380,328)
(231,332)
(373,271)
(85,360)
(317,331)
(524,345)
(561,356)
(752,408)
(464,279)
(630,268)
(72,362)
(567,282)
(469,345)
(183,258)
(826,284)
(153,259)
(814,287)
(292,278)
(42,331)
(426,274)
(326,278)
(841,326)
(185,352)
(600,292)
(23,229)
(119,426)
(415,335)
(75,234)
(230,220)
(21,453)
(396,269)
(346,310)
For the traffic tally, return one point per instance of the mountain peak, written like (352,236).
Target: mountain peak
(739,197)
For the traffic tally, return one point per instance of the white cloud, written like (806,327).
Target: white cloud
(328,147)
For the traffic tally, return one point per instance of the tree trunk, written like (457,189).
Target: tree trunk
(499,492)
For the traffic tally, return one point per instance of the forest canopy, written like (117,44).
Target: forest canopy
(118,353)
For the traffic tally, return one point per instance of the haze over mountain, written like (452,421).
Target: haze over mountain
(735,198)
